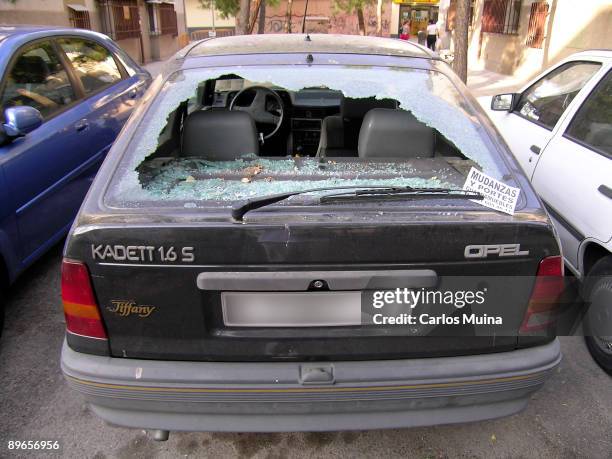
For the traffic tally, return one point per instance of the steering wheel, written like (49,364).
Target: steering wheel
(257,109)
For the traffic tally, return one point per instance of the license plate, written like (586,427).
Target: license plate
(291,309)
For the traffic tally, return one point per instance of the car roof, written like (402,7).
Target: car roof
(604,54)
(18,34)
(9,29)
(306,43)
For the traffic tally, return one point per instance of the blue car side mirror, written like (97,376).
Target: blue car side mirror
(18,121)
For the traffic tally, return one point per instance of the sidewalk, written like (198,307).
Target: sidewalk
(486,83)
(154,67)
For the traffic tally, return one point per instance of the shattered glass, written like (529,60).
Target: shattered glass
(251,176)
(430,96)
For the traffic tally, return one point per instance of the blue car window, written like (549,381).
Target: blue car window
(93,63)
(38,79)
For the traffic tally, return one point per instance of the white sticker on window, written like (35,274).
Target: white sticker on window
(497,195)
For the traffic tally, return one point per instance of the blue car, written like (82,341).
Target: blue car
(64,96)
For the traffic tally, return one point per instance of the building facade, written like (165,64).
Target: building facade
(417,12)
(321,16)
(515,37)
(148,30)
(201,21)
(523,37)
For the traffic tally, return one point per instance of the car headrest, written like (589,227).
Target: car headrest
(30,69)
(394,134)
(219,135)
(357,108)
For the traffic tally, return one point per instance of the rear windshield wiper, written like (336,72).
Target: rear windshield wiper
(445,193)
(382,191)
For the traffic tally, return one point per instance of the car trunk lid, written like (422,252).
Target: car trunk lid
(164,289)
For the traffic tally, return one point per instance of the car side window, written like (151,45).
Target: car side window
(545,101)
(592,125)
(94,65)
(37,78)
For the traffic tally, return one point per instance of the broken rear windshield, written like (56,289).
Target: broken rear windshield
(217,136)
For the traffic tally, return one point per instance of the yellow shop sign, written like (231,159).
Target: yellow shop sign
(416,2)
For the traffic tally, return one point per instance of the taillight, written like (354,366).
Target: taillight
(545,297)
(80,307)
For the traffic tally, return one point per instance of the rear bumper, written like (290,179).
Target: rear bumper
(264,397)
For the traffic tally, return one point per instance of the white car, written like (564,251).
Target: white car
(559,127)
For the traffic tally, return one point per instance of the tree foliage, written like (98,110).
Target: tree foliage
(355,6)
(351,6)
(226,8)
(229,8)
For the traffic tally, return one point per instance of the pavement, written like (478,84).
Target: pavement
(155,67)
(570,417)
(483,83)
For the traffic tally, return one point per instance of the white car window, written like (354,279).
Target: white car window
(592,125)
(545,101)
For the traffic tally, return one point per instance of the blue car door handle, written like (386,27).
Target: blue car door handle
(81,125)
(133,93)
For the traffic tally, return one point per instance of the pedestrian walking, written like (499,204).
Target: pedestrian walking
(432,35)
(405,30)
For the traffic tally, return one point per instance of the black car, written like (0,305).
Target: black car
(309,233)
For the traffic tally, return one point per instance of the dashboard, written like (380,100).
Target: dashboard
(306,127)
(304,113)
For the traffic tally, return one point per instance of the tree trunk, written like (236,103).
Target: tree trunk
(288,17)
(361,21)
(462,18)
(261,27)
(243,16)
(253,20)
(379,18)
